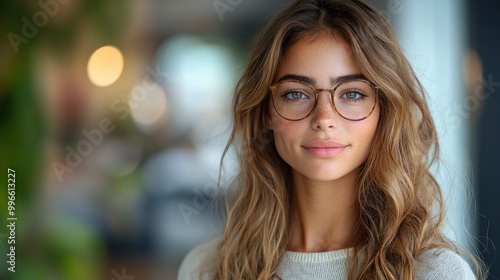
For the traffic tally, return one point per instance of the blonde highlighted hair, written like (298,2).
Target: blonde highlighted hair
(400,203)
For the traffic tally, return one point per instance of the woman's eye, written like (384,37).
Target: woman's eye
(352,95)
(295,95)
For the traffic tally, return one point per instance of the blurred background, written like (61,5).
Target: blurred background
(114,115)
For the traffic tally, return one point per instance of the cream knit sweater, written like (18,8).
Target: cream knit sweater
(436,264)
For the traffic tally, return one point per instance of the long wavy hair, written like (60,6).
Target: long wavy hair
(400,203)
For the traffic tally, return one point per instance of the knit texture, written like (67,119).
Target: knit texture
(435,264)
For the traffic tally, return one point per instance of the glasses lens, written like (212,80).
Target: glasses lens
(293,100)
(354,100)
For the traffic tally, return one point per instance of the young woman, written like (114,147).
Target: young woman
(336,140)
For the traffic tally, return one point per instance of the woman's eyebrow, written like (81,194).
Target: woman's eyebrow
(300,78)
(342,79)
(312,81)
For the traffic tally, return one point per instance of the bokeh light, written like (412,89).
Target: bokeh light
(148,105)
(105,66)
(200,79)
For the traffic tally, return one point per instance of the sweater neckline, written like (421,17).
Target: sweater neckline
(318,257)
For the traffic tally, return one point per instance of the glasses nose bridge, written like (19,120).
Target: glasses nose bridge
(318,90)
(329,90)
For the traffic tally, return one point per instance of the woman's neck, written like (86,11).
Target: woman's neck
(324,214)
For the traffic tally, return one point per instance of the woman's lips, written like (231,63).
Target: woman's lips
(324,149)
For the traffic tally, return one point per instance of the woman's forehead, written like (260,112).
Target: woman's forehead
(319,56)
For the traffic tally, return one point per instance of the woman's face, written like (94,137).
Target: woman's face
(323,146)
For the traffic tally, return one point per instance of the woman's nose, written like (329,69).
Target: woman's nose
(324,116)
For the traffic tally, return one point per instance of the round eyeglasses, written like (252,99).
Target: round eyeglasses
(353,100)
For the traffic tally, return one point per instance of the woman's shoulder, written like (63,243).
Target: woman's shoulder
(443,264)
(199,262)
